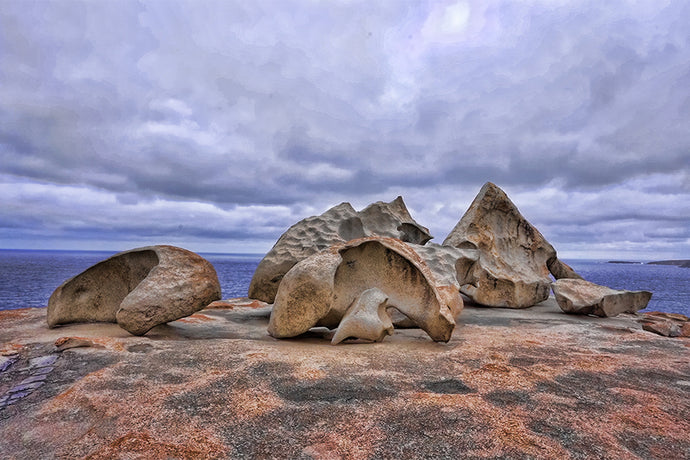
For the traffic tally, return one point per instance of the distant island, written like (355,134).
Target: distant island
(623,262)
(679,263)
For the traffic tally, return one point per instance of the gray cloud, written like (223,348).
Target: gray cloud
(259,114)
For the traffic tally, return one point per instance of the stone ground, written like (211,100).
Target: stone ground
(532,383)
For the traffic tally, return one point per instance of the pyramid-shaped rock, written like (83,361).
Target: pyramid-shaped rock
(515,259)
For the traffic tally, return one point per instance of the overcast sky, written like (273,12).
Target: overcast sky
(215,126)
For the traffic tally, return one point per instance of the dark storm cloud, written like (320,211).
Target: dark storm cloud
(257,114)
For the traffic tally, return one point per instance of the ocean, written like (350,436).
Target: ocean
(28,278)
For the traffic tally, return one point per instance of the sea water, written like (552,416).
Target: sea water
(27,278)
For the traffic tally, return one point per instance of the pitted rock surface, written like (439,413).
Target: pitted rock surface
(335,226)
(320,290)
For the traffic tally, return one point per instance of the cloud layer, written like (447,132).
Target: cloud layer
(216,126)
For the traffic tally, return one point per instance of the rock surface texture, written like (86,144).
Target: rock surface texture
(514,258)
(138,289)
(329,286)
(666,324)
(335,226)
(513,384)
(585,298)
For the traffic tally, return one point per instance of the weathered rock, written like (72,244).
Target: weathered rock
(392,220)
(560,269)
(585,298)
(320,290)
(396,269)
(666,324)
(65,343)
(452,267)
(307,237)
(138,289)
(367,318)
(514,258)
(336,226)
(662,327)
(304,296)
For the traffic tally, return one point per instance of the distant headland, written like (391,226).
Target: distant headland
(678,263)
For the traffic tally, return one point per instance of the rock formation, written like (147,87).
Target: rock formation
(514,258)
(335,226)
(366,319)
(666,324)
(138,289)
(585,298)
(358,281)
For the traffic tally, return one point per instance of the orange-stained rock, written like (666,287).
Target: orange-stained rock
(664,327)
(65,343)
(139,289)
(666,324)
(532,383)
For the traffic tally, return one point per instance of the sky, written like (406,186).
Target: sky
(217,125)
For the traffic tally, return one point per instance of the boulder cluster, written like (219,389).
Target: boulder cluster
(359,272)
(389,274)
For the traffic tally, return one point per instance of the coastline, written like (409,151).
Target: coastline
(515,383)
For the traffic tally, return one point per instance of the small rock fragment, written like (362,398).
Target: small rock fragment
(585,298)
(662,327)
(65,343)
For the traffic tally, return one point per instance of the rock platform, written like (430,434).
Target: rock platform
(532,383)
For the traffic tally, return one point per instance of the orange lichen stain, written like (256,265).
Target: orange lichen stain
(142,445)
(241,302)
(259,355)
(197,318)
(72,394)
(18,313)
(649,417)
(310,374)
(253,402)
(441,400)
(322,451)
(511,433)
(9,349)
(346,440)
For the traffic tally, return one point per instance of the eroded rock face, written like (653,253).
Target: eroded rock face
(305,295)
(366,318)
(514,258)
(336,226)
(138,289)
(329,286)
(585,298)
